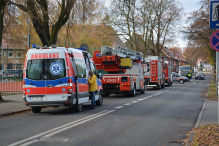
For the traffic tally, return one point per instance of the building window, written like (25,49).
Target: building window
(10,66)
(1,66)
(10,54)
(19,54)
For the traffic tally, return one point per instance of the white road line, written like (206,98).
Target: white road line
(118,107)
(200,83)
(134,101)
(61,127)
(149,96)
(145,97)
(140,99)
(127,103)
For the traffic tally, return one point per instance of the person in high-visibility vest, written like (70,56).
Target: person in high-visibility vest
(189,74)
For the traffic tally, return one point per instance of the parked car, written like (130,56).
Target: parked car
(200,75)
(180,79)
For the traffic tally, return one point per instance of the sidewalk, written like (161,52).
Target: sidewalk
(208,115)
(16,104)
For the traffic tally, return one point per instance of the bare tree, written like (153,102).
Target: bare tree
(145,24)
(198,32)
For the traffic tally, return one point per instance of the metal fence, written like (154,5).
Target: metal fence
(11,83)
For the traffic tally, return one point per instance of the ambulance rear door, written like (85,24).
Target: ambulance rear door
(56,75)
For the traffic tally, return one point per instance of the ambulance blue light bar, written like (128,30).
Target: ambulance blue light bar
(82,49)
(34,46)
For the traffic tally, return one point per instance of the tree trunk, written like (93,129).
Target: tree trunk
(1,99)
(2,7)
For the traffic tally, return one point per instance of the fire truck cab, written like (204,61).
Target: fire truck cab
(58,76)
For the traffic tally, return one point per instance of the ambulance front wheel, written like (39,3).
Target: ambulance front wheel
(99,102)
(36,109)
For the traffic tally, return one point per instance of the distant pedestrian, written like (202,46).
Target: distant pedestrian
(92,87)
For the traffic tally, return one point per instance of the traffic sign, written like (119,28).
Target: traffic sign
(214,14)
(214,40)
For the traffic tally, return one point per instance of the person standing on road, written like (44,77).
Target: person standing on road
(92,88)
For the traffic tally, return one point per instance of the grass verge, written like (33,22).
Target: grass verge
(212,93)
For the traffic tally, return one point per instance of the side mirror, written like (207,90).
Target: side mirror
(100,75)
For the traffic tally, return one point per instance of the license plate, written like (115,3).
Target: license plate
(36,98)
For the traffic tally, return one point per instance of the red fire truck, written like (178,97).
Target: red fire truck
(168,73)
(124,71)
(155,76)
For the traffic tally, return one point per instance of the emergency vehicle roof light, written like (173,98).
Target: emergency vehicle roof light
(83,49)
(34,46)
(53,45)
(37,47)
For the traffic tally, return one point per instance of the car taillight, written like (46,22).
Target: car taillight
(70,86)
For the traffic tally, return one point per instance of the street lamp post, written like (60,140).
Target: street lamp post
(28,22)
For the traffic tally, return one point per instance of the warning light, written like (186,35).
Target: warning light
(66,46)
(34,46)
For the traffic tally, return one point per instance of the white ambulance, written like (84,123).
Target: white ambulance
(58,76)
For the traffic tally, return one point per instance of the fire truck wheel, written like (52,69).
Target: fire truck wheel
(142,90)
(106,95)
(181,81)
(36,109)
(78,107)
(133,92)
(100,100)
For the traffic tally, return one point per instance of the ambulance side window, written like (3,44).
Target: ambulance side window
(93,68)
(81,68)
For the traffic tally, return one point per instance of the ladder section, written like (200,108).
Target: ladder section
(121,52)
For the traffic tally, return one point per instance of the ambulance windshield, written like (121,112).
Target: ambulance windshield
(46,69)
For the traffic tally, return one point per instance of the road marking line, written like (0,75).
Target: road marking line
(149,96)
(140,99)
(145,97)
(127,103)
(200,83)
(134,101)
(118,107)
(57,128)
(60,130)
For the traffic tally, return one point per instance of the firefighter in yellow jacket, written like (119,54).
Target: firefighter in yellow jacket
(92,87)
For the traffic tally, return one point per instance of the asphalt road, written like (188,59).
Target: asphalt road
(158,117)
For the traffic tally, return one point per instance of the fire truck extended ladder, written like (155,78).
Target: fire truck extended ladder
(121,52)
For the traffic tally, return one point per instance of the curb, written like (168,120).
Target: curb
(191,136)
(12,113)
